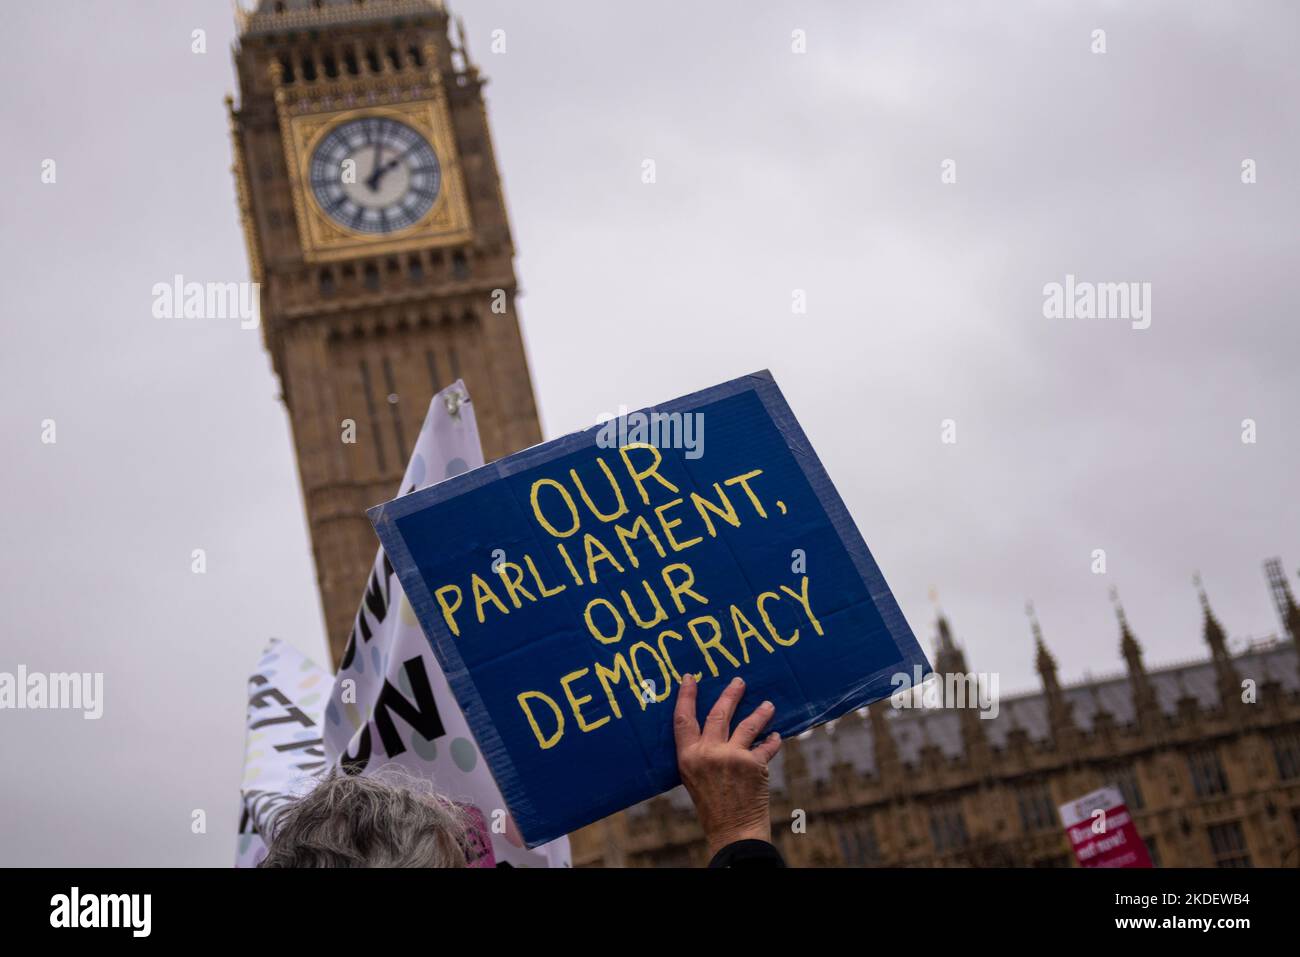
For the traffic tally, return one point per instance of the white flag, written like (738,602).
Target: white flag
(283,751)
(390,704)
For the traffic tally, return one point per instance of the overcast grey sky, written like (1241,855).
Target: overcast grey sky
(776,172)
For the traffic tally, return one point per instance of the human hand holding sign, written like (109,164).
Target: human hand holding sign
(726,778)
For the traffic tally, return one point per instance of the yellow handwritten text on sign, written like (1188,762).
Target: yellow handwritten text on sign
(647,665)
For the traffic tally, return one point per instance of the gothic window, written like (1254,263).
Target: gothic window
(373,412)
(459,265)
(415,268)
(1126,780)
(370,277)
(858,845)
(947,827)
(308,69)
(1228,845)
(416,58)
(1286,752)
(393,405)
(286,68)
(1208,778)
(326,282)
(1037,812)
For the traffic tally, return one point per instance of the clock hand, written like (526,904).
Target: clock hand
(373,179)
(379,171)
(375,176)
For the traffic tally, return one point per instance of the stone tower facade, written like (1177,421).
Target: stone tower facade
(374,219)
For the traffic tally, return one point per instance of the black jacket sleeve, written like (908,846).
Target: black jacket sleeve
(748,853)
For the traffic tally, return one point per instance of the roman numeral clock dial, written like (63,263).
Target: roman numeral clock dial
(375,175)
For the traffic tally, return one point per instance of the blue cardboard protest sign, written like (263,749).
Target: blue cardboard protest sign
(565,589)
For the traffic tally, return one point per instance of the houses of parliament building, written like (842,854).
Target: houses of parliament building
(1206,755)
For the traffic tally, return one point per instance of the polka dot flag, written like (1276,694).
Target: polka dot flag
(390,708)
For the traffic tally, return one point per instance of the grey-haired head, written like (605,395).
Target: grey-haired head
(388,820)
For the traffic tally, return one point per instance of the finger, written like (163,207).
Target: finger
(767,750)
(718,724)
(749,729)
(686,729)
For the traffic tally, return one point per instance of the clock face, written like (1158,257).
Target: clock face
(392,180)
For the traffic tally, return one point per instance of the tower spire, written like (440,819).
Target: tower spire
(1215,636)
(1145,706)
(1228,680)
(1043,659)
(959,689)
(945,636)
(948,658)
(1127,642)
(1059,713)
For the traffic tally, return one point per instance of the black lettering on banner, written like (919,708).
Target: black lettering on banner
(259,699)
(423,716)
(376,600)
(291,713)
(311,748)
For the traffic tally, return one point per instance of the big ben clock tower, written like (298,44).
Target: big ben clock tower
(373,215)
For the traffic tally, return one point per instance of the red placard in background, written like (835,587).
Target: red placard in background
(1102,831)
